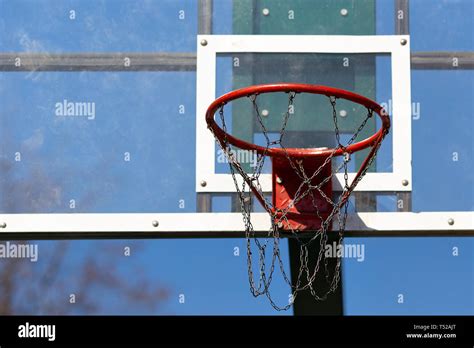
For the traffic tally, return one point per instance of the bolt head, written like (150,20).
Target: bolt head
(265,112)
(3,225)
(203,183)
(450,221)
(343,113)
(344,12)
(403,42)
(265,11)
(405,182)
(203,42)
(155,223)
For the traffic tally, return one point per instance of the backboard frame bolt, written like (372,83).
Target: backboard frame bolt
(3,225)
(155,223)
(450,221)
(405,182)
(203,183)
(203,42)
(403,42)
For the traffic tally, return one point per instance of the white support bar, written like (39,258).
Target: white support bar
(224,224)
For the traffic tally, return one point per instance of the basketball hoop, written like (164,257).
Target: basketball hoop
(302,201)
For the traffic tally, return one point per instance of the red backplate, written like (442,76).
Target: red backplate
(302,215)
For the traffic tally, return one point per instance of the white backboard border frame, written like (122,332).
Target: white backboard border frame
(398,46)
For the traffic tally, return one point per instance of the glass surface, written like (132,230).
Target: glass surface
(128,144)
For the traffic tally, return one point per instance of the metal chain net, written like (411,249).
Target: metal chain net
(305,279)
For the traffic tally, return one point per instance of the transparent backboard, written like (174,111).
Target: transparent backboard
(105,120)
(98,126)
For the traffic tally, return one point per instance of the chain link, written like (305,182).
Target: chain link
(279,217)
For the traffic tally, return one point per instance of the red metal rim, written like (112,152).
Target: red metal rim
(298,88)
